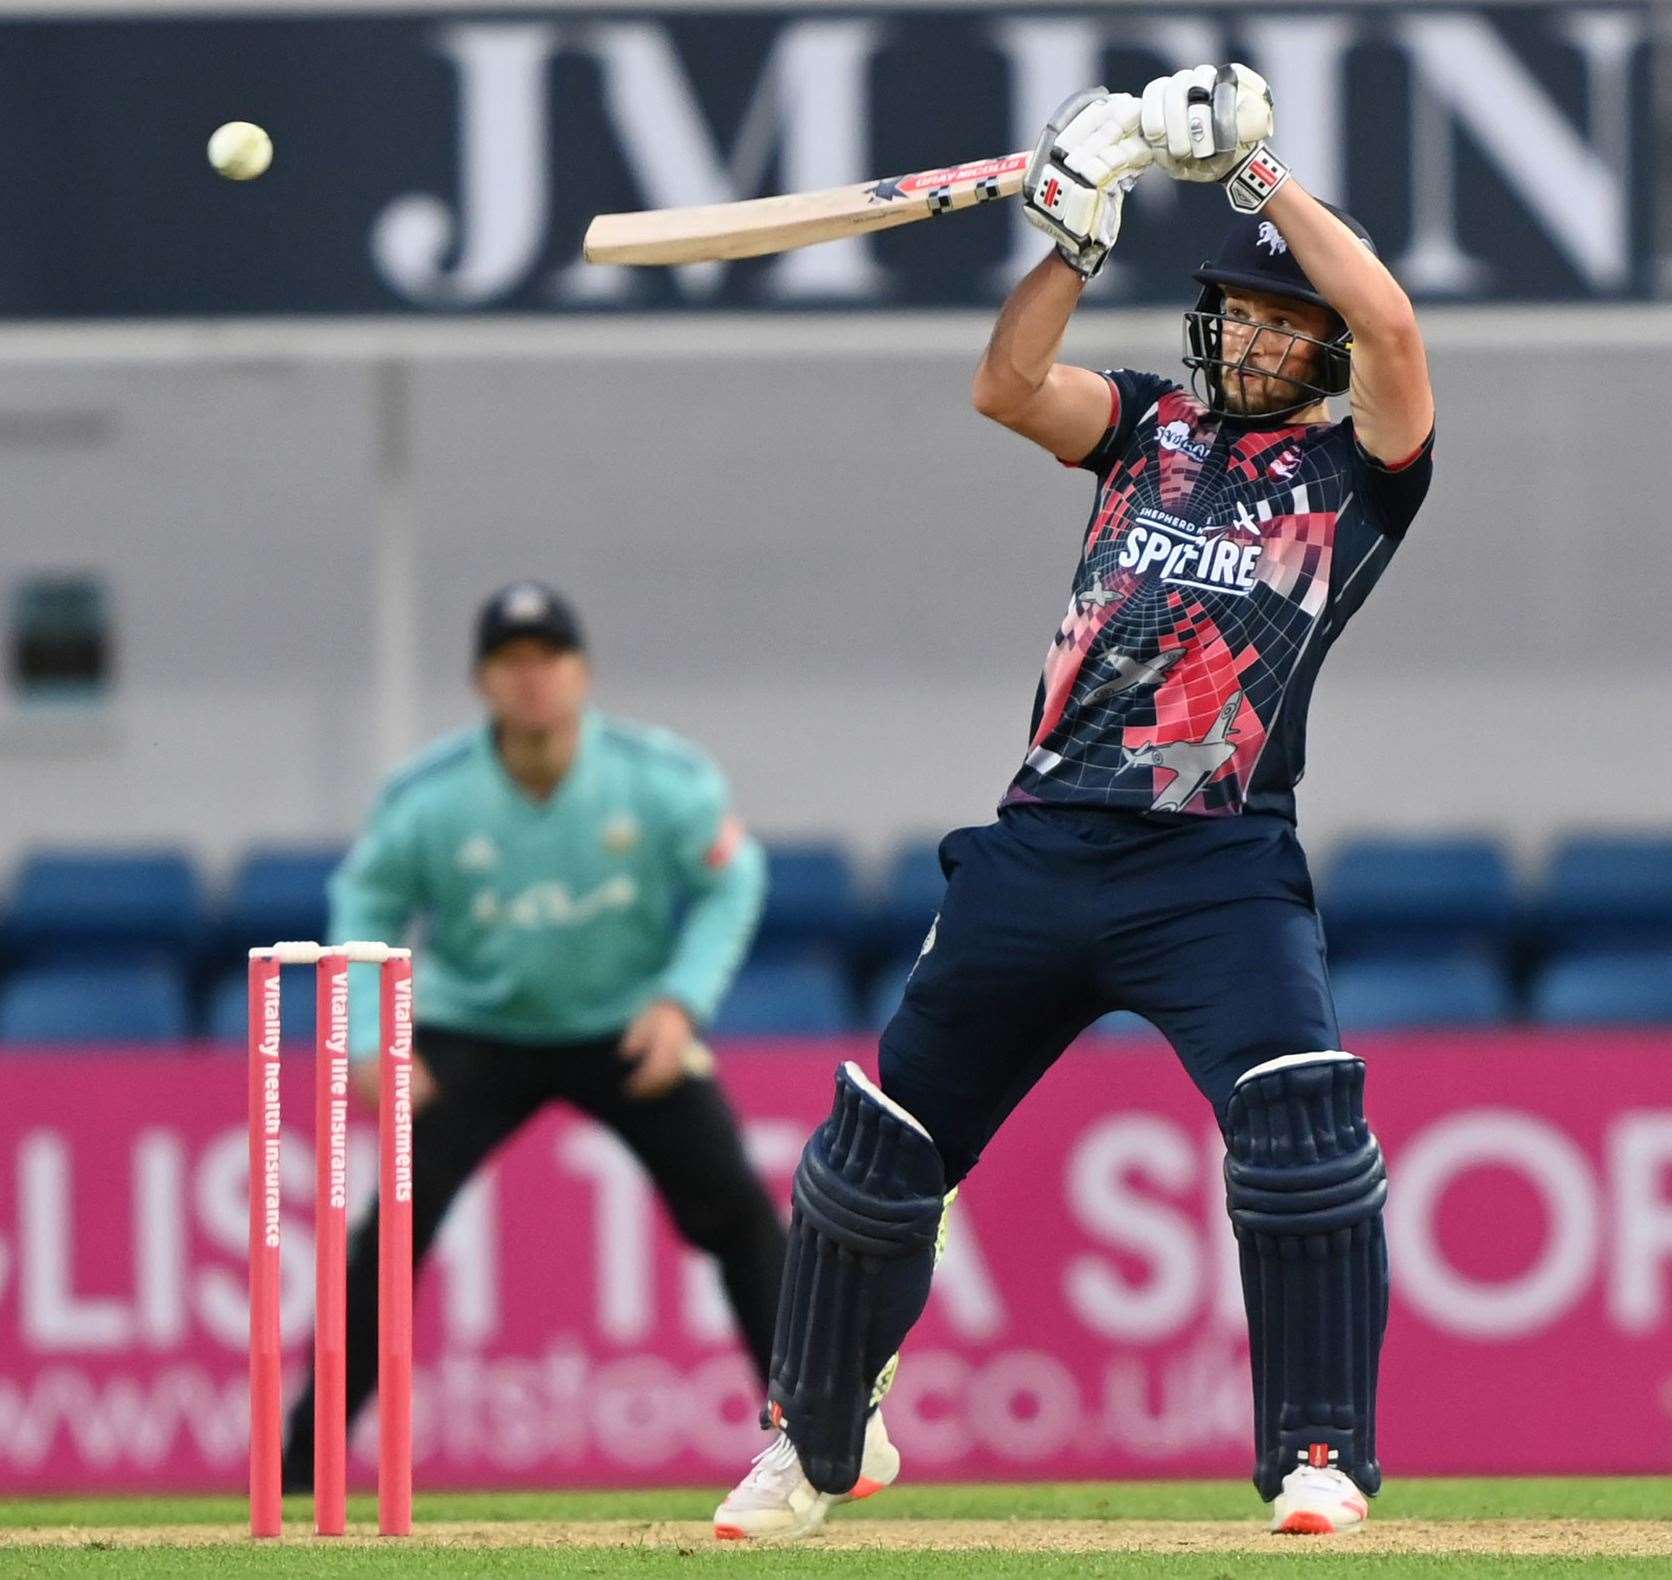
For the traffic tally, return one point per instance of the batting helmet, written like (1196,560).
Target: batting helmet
(1255,257)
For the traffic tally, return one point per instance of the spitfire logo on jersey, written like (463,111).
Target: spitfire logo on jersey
(1187,556)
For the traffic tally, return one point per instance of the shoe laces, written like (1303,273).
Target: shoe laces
(776,1464)
(1323,1477)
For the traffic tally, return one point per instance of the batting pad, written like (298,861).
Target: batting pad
(1305,1185)
(866,1210)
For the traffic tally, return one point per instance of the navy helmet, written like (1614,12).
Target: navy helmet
(1255,257)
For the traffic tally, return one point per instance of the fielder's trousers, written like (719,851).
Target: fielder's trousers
(687,1140)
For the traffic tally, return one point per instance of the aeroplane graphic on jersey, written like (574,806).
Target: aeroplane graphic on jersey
(1192,763)
(1132,673)
(1096,596)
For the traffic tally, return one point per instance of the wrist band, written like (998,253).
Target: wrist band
(1071,256)
(1252,184)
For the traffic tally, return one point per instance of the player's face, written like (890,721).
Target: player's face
(531,686)
(1258,335)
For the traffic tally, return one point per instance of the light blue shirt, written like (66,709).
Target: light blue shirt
(559,920)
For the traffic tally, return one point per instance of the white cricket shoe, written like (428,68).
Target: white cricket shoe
(776,1502)
(1318,1502)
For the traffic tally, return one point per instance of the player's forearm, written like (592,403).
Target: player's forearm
(1027,339)
(716,934)
(1347,274)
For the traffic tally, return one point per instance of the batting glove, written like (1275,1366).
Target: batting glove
(1210,123)
(1087,158)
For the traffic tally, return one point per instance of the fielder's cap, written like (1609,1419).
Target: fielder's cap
(1255,257)
(527,609)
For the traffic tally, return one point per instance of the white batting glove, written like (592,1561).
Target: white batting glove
(1210,123)
(1087,158)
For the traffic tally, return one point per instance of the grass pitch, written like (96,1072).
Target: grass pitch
(1190,1530)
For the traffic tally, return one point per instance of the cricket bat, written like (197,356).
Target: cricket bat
(798,219)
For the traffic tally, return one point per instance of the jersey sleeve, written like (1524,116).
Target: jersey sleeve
(723,873)
(1384,500)
(1130,396)
(1393,494)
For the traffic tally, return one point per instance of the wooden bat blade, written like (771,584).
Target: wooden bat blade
(797,219)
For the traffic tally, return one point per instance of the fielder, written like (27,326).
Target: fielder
(1145,855)
(587,895)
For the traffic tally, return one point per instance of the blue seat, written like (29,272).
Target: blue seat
(278,892)
(227,1019)
(1417,897)
(1121,1023)
(79,903)
(1605,891)
(911,894)
(810,902)
(1404,993)
(886,990)
(1626,988)
(785,998)
(135,1003)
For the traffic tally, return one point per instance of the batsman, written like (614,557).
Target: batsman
(1144,856)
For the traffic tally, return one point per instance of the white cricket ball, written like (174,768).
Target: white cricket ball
(240,150)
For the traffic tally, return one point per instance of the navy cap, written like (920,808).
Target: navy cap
(526,609)
(1255,257)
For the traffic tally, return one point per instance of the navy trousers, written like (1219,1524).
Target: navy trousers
(1052,917)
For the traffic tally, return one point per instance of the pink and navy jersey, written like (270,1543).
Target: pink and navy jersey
(1222,559)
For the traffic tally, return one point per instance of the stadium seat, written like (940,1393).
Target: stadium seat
(1605,892)
(278,892)
(911,895)
(228,1014)
(810,903)
(1121,1023)
(785,998)
(1403,993)
(82,903)
(139,1003)
(886,990)
(1625,988)
(1417,896)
